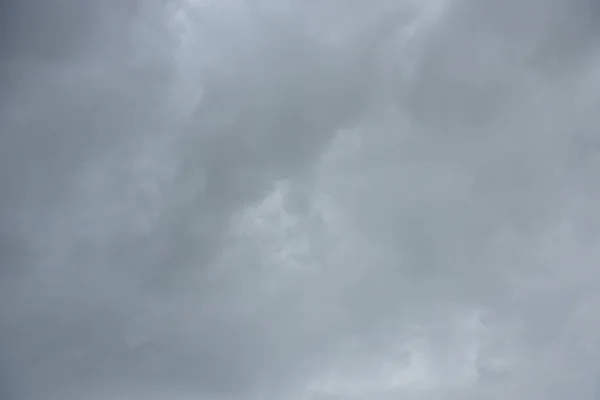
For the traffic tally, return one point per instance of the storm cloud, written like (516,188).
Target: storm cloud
(299,199)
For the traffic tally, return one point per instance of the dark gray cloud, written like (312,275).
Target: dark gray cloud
(285,199)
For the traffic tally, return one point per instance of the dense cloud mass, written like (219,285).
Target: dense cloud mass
(300,199)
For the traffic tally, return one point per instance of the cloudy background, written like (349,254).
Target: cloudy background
(299,200)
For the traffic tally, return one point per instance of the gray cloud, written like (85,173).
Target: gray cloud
(317,200)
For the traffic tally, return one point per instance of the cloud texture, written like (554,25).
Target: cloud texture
(299,200)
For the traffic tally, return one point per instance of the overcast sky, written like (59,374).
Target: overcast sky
(291,200)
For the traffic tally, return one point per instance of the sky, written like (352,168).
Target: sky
(299,200)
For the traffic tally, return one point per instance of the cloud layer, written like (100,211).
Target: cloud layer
(299,200)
